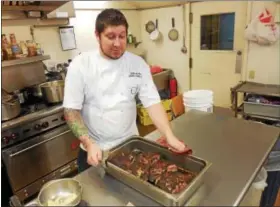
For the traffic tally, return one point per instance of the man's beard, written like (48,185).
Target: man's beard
(109,56)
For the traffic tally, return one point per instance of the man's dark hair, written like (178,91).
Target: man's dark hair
(110,17)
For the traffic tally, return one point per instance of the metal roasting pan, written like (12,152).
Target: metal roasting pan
(187,162)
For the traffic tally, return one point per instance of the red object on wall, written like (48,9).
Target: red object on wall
(156,69)
(173,87)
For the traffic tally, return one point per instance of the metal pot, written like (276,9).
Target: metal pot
(60,192)
(10,109)
(36,91)
(53,91)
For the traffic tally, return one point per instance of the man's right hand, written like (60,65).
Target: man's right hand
(94,154)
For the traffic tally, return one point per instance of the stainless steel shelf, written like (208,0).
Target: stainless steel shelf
(262,117)
(26,60)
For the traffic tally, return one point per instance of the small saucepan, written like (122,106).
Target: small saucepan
(10,107)
(173,33)
(155,35)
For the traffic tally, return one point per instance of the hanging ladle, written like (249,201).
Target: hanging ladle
(184,48)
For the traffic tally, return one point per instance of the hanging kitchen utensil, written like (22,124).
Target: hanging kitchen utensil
(150,27)
(155,35)
(184,49)
(173,33)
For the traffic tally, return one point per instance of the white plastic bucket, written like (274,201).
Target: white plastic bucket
(206,108)
(198,94)
(254,194)
(198,101)
(201,100)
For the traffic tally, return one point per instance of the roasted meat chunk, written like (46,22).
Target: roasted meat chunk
(140,166)
(153,157)
(123,160)
(172,168)
(151,167)
(156,170)
(172,182)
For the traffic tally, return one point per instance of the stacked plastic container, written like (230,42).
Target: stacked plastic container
(201,100)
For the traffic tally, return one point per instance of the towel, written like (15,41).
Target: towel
(163,142)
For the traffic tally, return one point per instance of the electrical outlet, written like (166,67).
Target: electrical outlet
(251,74)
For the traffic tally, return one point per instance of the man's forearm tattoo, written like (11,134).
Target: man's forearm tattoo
(75,122)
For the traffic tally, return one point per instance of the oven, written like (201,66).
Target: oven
(48,155)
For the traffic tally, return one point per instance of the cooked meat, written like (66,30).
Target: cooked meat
(156,169)
(172,168)
(172,182)
(142,158)
(122,160)
(153,158)
(151,167)
(139,170)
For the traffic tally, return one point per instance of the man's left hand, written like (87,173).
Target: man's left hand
(175,143)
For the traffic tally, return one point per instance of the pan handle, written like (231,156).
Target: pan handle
(173,22)
(105,155)
(156,23)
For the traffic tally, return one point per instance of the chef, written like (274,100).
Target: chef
(100,89)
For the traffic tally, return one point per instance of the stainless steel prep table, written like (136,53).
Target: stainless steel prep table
(237,149)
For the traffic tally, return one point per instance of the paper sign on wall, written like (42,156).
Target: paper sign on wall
(67,38)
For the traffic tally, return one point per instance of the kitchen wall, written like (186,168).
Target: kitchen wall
(84,24)
(166,53)
(48,37)
(264,61)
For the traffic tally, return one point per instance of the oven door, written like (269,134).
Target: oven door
(35,158)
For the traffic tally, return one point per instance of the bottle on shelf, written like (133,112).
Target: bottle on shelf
(23,48)
(6,48)
(15,47)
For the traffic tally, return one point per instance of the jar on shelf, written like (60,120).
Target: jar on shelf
(31,48)
(39,49)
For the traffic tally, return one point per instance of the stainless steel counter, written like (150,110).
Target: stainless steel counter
(237,149)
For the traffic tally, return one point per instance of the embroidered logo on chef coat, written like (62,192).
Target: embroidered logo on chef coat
(134,90)
(135,74)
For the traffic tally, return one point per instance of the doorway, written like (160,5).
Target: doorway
(217,47)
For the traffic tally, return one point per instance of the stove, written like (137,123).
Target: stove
(33,119)
(37,146)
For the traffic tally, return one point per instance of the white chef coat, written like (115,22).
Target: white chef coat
(104,90)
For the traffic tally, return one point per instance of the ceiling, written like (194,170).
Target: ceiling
(154,4)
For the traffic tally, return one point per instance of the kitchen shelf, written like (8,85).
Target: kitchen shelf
(7,63)
(28,8)
(261,117)
(256,89)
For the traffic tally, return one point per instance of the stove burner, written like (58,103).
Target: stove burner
(31,108)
